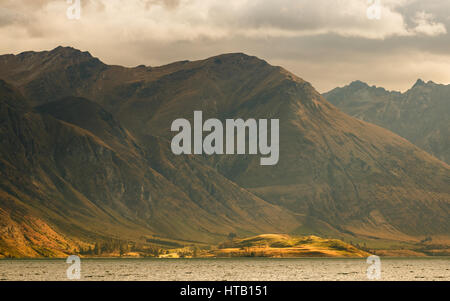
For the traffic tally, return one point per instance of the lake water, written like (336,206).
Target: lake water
(233,269)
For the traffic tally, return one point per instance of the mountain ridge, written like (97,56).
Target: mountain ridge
(70,164)
(336,176)
(419,114)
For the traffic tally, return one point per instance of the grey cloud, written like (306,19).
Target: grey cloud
(9,17)
(326,58)
(171,4)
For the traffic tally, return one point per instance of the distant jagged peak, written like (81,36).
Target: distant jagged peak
(360,85)
(357,84)
(419,82)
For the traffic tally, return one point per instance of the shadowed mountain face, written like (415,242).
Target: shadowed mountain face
(421,114)
(336,174)
(96,182)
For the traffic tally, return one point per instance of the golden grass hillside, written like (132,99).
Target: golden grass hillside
(283,245)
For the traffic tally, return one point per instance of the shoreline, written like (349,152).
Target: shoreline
(235,257)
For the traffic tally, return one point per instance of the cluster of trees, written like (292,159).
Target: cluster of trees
(228,244)
(115,246)
(361,247)
(107,247)
(154,251)
(144,248)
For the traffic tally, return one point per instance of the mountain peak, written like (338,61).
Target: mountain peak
(419,83)
(357,84)
(69,51)
(327,181)
(60,51)
(233,55)
(237,57)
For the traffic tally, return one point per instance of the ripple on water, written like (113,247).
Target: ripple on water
(233,269)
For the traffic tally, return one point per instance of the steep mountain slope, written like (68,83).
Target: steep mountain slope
(334,170)
(42,212)
(65,184)
(336,174)
(421,114)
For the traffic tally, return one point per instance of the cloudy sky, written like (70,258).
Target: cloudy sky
(329,43)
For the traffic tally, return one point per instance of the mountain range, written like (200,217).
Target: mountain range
(421,114)
(86,155)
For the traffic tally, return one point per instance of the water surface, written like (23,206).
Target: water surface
(233,269)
